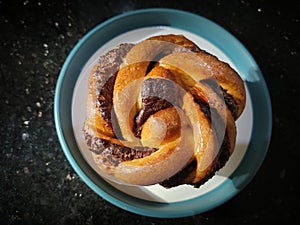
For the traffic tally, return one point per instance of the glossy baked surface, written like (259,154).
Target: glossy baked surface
(37,183)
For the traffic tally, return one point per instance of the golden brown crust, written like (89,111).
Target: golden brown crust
(209,67)
(192,134)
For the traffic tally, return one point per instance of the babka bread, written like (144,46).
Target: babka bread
(162,111)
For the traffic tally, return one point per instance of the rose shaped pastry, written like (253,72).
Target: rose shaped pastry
(162,111)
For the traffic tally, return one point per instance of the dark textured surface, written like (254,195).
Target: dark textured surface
(38,186)
(157,94)
(106,73)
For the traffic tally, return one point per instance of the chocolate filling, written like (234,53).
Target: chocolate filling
(231,103)
(218,163)
(113,154)
(220,160)
(105,74)
(229,100)
(216,121)
(157,94)
(179,177)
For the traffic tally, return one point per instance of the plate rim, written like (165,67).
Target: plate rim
(239,179)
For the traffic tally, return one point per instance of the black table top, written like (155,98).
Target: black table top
(38,185)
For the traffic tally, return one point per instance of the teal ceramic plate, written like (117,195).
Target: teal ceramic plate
(253,127)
